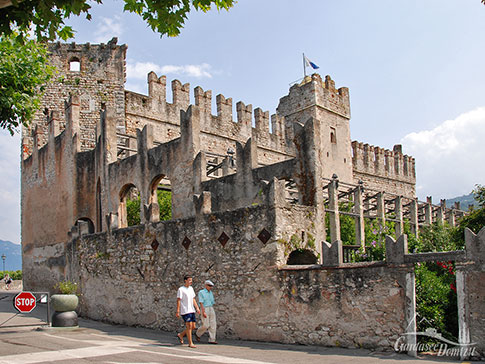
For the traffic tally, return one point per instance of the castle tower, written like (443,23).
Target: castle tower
(96,73)
(313,98)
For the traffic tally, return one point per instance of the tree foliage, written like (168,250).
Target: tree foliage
(475,220)
(23,69)
(164,203)
(46,18)
(14,274)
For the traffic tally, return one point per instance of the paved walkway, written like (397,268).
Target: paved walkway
(96,342)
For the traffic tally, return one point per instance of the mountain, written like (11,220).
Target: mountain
(13,255)
(464,201)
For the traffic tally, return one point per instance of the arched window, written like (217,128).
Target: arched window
(88,221)
(161,193)
(333,136)
(129,209)
(74,65)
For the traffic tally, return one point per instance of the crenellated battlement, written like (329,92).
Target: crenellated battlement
(375,160)
(379,163)
(313,91)
(154,108)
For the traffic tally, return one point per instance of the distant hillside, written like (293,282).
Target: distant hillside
(463,200)
(13,255)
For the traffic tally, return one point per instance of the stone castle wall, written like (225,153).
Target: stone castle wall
(383,169)
(130,276)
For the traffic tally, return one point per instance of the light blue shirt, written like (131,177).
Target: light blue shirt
(206,298)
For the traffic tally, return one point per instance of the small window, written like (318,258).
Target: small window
(333,136)
(74,65)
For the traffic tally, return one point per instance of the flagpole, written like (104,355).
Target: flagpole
(304,67)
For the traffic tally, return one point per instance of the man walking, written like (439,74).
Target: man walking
(186,307)
(206,300)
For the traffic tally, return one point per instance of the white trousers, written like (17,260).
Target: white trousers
(208,323)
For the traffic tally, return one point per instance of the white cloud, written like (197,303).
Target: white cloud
(139,70)
(9,187)
(109,28)
(450,158)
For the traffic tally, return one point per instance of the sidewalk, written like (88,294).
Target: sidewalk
(99,342)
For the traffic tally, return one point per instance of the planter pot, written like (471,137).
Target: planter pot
(64,305)
(64,302)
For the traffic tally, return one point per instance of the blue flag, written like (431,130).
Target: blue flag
(310,64)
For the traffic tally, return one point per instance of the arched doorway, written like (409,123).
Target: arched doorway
(161,193)
(129,208)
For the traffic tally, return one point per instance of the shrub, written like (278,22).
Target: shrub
(66,287)
(15,275)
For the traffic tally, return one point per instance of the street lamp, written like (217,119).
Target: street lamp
(3,258)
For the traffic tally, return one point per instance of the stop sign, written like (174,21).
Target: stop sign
(25,302)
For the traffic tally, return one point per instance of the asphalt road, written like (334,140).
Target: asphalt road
(26,339)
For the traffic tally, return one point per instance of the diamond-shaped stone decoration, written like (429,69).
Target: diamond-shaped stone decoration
(223,239)
(186,243)
(264,236)
(155,244)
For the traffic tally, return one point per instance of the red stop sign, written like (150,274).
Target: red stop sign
(25,302)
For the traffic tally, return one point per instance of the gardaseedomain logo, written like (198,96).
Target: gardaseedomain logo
(444,347)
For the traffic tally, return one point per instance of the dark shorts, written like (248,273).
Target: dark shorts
(190,317)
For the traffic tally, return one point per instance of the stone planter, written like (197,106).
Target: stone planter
(64,306)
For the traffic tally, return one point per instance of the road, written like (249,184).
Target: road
(26,339)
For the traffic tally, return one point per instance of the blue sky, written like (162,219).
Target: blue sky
(414,68)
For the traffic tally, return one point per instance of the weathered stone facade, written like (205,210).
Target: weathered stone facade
(243,199)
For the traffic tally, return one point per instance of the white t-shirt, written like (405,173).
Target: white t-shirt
(186,295)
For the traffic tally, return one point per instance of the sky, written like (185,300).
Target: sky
(415,70)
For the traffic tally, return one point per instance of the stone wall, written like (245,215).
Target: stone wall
(470,278)
(384,170)
(130,276)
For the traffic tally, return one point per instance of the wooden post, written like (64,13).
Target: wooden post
(359,220)
(399,218)
(334,213)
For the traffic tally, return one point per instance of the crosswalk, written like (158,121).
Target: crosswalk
(107,347)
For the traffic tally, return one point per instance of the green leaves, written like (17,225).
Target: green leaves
(46,18)
(23,70)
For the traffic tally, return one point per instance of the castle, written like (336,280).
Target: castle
(246,194)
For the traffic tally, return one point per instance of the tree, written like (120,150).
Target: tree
(23,69)
(475,220)
(47,17)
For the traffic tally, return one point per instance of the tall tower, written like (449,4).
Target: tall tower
(330,108)
(96,73)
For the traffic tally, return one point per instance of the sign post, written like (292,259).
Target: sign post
(25,302)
